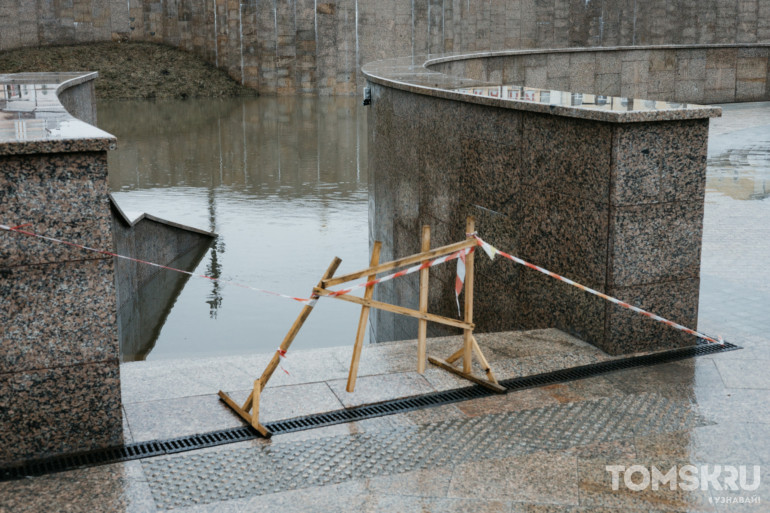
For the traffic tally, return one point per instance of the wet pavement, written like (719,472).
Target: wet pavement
(538,450)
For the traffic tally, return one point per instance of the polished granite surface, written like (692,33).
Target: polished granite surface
(576,100)
(415,74)
(32,119)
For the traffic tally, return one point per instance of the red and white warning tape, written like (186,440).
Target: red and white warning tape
(425,265)
(459,255)
(492,251)
(17,229)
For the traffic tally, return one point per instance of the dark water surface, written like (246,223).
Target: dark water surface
(283,182)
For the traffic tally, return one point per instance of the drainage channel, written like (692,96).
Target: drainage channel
(149,449)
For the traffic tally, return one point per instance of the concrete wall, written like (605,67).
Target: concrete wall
(692,75)
(314,46)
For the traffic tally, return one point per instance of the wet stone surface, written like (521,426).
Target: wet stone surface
(279,467)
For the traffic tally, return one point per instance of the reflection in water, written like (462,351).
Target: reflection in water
(283,183)
(741,173)
(570,99)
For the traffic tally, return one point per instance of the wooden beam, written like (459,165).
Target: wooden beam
(487,369)
(262,430)
(470,227)
(397,309)
(402,262)
(358,346)
(422,327)
(454,370)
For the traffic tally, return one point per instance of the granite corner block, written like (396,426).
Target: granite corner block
(58,314)
(628,332)
(659,162)
(651,243)
(60,195)
(543,302)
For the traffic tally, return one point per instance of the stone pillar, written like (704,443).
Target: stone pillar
(59,352)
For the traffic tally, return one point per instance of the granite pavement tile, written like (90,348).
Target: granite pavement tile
(372,389)
(390,503)
(740,373)
(160,420)
(723,443)
(421,483)
(517,400)
(350,495)
(277,403)
(546,477)
(109,488)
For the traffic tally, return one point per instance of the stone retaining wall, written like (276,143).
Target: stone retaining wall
(304,46)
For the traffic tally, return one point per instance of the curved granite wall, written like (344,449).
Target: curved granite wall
(607,191)
(316,46)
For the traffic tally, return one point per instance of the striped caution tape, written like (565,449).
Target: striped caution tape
(491,251)
(425,265)
(17,229)
(461,254)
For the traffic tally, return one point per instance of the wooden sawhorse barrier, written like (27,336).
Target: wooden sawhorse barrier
(465,353)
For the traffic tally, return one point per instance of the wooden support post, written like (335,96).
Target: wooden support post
(483,360)
(470,227)
(422,329)
(257,394)
(470,345)
(362,320)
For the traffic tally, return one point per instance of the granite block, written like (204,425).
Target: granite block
(46,412)
(660,162)
(651,243)
(607,84)
(62,195)
(721,58)
(690,68)
(629,332)
(549,223)
(495,302)
(543,302)
(58,314)
(503,232)
(720,78)
(490,175)
(578,168)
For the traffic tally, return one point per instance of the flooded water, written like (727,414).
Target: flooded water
(283,182)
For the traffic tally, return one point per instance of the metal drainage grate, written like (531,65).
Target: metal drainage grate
(188,443)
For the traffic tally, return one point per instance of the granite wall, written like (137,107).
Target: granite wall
(59,364)
(304,46)
(59,374)
(576,196)
(693,75)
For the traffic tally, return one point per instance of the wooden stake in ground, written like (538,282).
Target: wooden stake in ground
(469,341)
(353,374)
(422,327)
